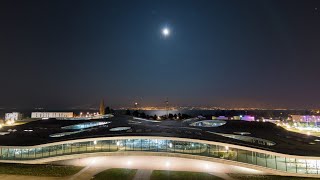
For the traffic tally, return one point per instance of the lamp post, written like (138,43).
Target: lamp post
(167,108)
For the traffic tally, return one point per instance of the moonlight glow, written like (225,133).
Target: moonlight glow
(165,32)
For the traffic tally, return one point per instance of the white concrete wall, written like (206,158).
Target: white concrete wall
(13,116)
(51,114)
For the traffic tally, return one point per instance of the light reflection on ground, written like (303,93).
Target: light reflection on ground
(159,163)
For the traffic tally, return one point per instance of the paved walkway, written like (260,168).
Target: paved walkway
(222,175)
(146,164)
(87,173)
(143,174)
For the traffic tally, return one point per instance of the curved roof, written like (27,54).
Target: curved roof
(285,142)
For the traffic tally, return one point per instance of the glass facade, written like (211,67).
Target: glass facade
(85,125)
(286,164)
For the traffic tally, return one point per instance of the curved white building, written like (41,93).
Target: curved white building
(143,138)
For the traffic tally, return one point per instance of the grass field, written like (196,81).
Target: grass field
(39,170)
(266,177)
(116,174)
(178,175)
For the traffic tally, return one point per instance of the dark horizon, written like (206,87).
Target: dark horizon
(62,54)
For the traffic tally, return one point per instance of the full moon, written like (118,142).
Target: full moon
(165,32)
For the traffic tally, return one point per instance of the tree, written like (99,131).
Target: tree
(128,112)
(185,116)
(170,116)
(107,110)
(175,116)
(143,115)
(135,113)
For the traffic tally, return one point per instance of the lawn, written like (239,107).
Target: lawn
(178,175)
(266,177)
(38,170)
(116,174)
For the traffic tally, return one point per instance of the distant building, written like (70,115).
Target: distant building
(305,118)
(247,118)
(244,118)
(271,120)
(13,116)
(222,118)
(102,108)
(236,118)
(51,114)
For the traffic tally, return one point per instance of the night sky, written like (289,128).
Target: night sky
(224,53)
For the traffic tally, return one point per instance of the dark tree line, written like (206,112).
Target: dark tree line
(108,110)
(155,117)
(259,114)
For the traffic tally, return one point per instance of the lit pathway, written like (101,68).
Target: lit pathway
(88,172)
(143,174)
(222,175)
(146,164)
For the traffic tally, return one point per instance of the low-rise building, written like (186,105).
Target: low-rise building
(14,116)
(247,118)
(244,118)
(222,118)
(51,114)
(305,118)
(236,118)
